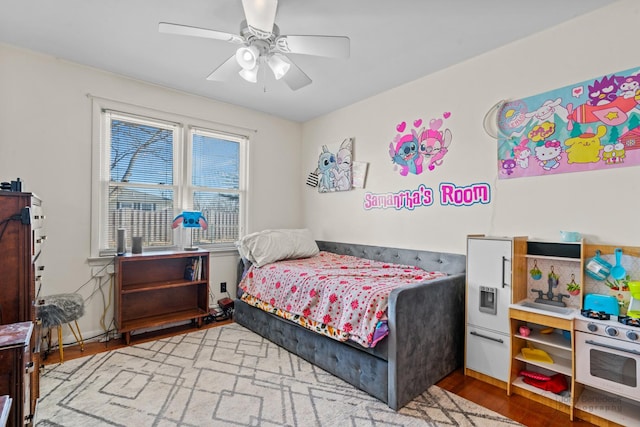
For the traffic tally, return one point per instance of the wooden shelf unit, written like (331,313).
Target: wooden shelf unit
(151,290)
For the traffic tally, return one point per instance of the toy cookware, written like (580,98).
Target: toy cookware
(618,272)
(597,268)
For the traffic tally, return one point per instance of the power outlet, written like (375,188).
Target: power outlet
(223,286)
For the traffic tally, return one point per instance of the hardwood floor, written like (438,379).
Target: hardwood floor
(517,408)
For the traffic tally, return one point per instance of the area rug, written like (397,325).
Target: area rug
(227,376)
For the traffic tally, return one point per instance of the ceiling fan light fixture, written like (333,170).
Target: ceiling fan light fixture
(278,65)
(247,57)
(250,75)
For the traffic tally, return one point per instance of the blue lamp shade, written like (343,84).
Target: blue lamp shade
(190,219)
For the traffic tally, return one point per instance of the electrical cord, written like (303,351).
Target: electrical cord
(95,275)
(105,304)
(5,223)
(107,331)
(57,345)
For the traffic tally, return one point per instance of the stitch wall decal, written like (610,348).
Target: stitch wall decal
(421,148)
(586,126)
(334,170)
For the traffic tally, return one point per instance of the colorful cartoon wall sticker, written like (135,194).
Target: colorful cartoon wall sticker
(334,169)
(587,126)
(421,148)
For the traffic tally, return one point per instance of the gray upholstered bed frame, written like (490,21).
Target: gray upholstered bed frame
(426,330)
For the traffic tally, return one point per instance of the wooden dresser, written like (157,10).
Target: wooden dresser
(21,274)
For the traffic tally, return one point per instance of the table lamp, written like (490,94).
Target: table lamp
(191,220)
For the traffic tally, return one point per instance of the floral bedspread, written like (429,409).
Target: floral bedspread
(342,296)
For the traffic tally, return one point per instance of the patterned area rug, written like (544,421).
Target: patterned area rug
(227,376)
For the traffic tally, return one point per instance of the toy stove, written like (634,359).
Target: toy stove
(608,352)
(604,324)
(629,321)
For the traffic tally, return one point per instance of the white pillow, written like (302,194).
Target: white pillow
(265,247)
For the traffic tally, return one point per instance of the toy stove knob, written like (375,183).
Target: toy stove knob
(632,335)
(611,331)
(592,327)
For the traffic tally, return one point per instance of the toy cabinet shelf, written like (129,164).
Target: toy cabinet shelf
(152,290)
(567,258)
(554,344)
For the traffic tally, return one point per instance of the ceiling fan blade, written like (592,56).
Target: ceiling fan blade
(329,46)
(260,15)
(185,30)
(295,77)
(226,70)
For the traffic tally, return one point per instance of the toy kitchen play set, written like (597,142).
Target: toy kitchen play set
(557,322)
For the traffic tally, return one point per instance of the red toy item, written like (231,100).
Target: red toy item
(556,384)
(535,375)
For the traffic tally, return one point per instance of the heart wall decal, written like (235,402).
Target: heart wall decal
(401,127)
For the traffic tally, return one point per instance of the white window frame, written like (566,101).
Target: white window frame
(182,185)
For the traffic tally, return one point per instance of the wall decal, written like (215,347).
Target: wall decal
(450,195)
(334,169)
(582,127)
(420,148)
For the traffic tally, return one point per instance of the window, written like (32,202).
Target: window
(152,166)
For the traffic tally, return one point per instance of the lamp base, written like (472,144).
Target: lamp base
(191,248)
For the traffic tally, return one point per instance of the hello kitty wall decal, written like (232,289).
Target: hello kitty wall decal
(586,126)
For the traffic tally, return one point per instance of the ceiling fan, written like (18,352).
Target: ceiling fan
(261,43)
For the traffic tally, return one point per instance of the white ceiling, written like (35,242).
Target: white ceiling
(392,42)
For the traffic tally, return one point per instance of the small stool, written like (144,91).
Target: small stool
(56,310)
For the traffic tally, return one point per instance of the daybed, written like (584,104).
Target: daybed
(426,329)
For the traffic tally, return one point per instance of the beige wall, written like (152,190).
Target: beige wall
(45,139)
(600,204)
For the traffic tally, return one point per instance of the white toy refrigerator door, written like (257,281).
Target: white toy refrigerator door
(489,283)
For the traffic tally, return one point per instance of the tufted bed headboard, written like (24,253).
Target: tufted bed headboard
(430,261)
(449,263)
